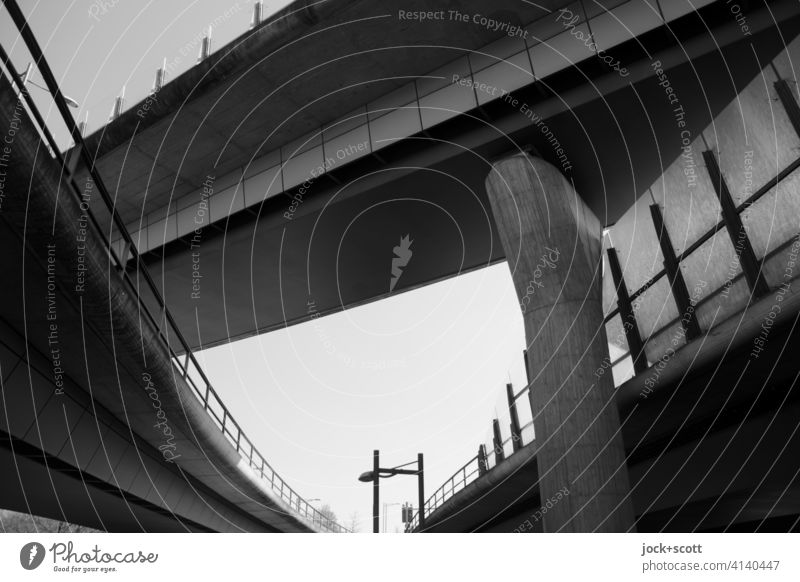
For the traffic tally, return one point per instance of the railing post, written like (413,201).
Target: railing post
(629,326)
(688,317)
(733,222)
(516,433)
(497,439)
(482,465)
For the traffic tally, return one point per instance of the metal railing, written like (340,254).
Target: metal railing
(458,481)
(129,259)
(752,268)
(485,459)
(752,274)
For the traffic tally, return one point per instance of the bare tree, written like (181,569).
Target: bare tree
(354,525)
(327,514)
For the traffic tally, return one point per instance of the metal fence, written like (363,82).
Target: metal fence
(488,456)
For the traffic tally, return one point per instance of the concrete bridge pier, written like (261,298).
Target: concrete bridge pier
(553,244)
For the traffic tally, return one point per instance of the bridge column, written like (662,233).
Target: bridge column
(553,244)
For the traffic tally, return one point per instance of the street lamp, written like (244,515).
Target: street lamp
(26,79)
(378,472)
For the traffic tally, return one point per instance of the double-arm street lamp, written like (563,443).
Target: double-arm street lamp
(377,473)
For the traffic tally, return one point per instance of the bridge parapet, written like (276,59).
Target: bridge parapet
(471,81)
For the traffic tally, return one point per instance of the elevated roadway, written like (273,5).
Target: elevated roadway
(99,425)
(315,183)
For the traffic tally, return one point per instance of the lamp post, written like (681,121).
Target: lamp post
(378,472)
(375,491)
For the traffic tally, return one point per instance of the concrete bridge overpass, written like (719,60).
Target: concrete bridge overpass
(100,423)
(304,197)
(315,180)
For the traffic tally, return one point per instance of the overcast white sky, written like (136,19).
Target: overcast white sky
(421,372)
(317,402)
